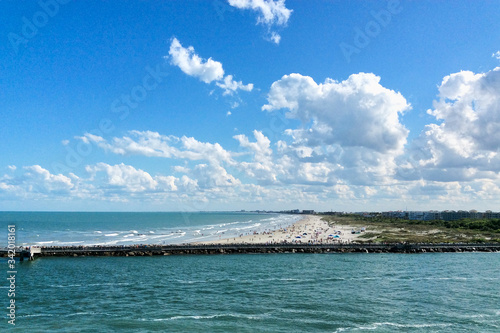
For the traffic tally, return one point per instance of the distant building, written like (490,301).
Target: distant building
(398,215)
(447,215)
(424,216)
(305,211)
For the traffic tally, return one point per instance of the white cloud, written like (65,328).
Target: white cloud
(262,166)
(12,167)
(128,180)
(465,145)
(153,144)
(230,86)
(167,183)
(270,13)
(275,38)
(496,55)
(37,182)
(124,176)
(41,180)
(207,70)
(191,64)
(352,125)
(357,112)
(213,176)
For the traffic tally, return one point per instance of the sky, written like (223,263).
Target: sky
(249,104)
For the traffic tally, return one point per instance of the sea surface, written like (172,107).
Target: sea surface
(439,292)
(433,292)
(73,229)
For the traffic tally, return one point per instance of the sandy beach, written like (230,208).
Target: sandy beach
(310,229)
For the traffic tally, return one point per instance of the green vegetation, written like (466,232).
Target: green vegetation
(492,225)
(389,230)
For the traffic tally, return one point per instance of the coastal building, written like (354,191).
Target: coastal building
(424,216)
(397,214)
(491,215)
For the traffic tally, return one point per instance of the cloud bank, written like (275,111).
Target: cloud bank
(350,147)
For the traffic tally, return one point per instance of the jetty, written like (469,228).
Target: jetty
(190,249)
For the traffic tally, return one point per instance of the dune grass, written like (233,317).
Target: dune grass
(390,230)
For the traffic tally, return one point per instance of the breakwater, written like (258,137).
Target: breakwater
(154,250)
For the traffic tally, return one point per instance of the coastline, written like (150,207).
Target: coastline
(311,230)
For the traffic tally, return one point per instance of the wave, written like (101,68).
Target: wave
(111,234)
(214,316)
(376,326)
(36,315)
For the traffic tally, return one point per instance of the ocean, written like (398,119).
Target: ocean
(73,229)
(438,292)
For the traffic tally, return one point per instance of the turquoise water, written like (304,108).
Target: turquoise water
(449,292)
(58,228)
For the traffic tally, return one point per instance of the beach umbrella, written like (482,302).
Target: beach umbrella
(330,235)
(336,236)
(305,233)
(298,237)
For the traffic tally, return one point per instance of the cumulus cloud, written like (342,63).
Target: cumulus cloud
(213,176)
(230,86)
(357,112)
(353,126)
(465,144)
(191,64)
(269,13)
(153,144)
(206,70)
(37,182)
(496,55)
(261,167)
(124,176)
(41,180)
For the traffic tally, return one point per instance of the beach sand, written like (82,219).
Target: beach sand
(310,229)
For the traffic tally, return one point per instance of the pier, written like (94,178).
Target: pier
(188,249)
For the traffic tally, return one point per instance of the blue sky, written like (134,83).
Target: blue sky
(246,104)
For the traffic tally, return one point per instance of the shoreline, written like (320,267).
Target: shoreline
(308,230)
